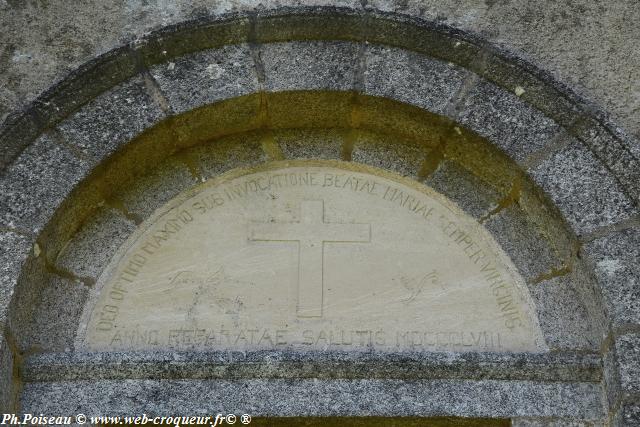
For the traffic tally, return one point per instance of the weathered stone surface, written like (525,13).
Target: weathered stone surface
(583,63)
(586,193)
(14,249)
(543,31)
(207,33)
(401,30)
(528,19)
(91,249)
(550,36)
(213,121)
(627,416)
(628,358)
(469,192)
(532,422)
(309,65)
(6,376)
(506,120)
(103,125)
(220,156)
(622,156)
(622,369)
(412,78)
(16,133)
(615,261)
(313,109)
(55,316)
(205,77)
(25,298)
(384,152)
(529,250)
(517,78)
(37,182)
(51,367)
(309,397)
(611,376)
(311,144)
(152,191)
(564,320)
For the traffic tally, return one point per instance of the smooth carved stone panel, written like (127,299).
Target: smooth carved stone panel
(311,255)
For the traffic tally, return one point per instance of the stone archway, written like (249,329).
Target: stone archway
(526,160)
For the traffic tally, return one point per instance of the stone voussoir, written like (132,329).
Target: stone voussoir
(506,120)
(310,143)
(611,376)
(621,370)
(112,119)
(309,65)
(91,248)
(628,415)
(329,22)
(205,77)
(33,187)
(586,193)
(412,78)
(554,422)
(79,87)
(616,153)
(216,30)
(56,316)
(628,360)
(383,152)
(18,132)
(186,37)
(15,250)
(469,192)
(155,189)
(432,38)
(223,155)
(565,322)
(614,259)
(529,250)
(533,86)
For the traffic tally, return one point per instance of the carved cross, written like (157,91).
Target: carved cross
(311,233)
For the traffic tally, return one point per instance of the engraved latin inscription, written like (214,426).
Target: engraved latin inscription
(310,255)
(311,233)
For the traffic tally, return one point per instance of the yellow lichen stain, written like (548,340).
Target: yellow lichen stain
(227,128)
(268,143)
(548,220)
(433,160)
(118,205)
(355,120)
(511,198)
(53,268)
(191,164)
(552,274)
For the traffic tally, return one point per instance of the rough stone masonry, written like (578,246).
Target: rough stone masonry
(460,239)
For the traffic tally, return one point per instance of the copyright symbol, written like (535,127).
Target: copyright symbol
(81,418)
(231,419)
